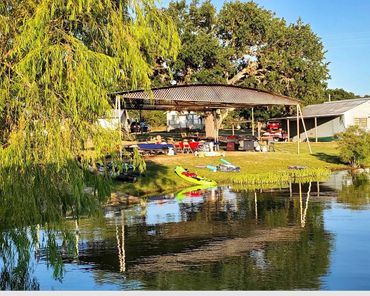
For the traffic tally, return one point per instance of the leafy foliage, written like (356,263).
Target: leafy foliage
(354,146)
(153,118)
(58,62)
(339,94)
(247,45)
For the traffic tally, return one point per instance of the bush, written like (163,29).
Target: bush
(354,146)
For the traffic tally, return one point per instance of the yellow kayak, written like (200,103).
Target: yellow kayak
(193,177)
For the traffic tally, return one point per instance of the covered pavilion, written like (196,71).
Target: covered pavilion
(208,98)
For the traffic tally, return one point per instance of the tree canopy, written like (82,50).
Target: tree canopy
(59,60)
(339,94)
(245,44)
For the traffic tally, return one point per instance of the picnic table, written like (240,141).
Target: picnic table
(152,148)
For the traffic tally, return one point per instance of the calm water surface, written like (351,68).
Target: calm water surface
(313,237)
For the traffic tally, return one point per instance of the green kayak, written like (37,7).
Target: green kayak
(193,177)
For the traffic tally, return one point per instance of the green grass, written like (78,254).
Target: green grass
(257,168)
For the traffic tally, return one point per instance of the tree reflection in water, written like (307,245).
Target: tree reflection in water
(218,239)
(33,225)
(357,195)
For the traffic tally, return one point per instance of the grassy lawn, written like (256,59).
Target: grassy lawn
(256,167)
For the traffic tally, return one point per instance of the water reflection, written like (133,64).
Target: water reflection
(206,232)
(195,239)
(34,229)
(356,195)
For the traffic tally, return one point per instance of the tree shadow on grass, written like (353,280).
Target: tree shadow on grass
(156,179)
(328,158)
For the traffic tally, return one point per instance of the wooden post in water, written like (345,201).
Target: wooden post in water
(318,188)
(123,241)
(300,201)
(37,245)
(303,221)
(121,244)
(255,205)
(77,237)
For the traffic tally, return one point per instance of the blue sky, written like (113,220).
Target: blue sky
(343,26)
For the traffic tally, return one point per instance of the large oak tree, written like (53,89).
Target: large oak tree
(245,44)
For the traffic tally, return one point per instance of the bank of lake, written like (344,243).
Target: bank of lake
(256,168)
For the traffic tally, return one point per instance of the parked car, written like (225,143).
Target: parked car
(137,127)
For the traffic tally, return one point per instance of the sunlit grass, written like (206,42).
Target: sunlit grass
(257,168)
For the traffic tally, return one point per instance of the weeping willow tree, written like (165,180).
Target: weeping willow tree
(59,60)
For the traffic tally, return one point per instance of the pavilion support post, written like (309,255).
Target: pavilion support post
(304,128)
(298,133)
(119,124)
(252,121)
(288,125)
(316,140)
(258,130)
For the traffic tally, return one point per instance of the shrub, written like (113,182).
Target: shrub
(354,146)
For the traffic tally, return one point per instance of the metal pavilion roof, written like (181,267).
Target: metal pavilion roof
(200,97)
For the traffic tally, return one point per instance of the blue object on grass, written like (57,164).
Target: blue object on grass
(212,168)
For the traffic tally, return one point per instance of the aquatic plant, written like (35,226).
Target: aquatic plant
(282,177)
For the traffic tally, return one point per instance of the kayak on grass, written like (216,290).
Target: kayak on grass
(193,177)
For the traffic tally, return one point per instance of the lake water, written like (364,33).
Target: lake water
(312,236)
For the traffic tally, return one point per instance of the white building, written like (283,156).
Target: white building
(325,120)
(184,120)
(114,118)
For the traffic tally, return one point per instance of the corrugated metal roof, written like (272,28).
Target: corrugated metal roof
(333,108)
(328,109)
(207,95)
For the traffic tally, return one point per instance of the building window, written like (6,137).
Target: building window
(173,119)
(191,118)
(360,122)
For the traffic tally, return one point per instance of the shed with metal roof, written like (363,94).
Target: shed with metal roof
(324,121)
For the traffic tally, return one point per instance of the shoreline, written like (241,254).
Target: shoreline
(256,169)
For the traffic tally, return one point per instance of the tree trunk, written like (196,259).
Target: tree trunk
(209,124)
(212,123)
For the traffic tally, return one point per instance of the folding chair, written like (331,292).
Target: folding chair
(178,147)
(186,147)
